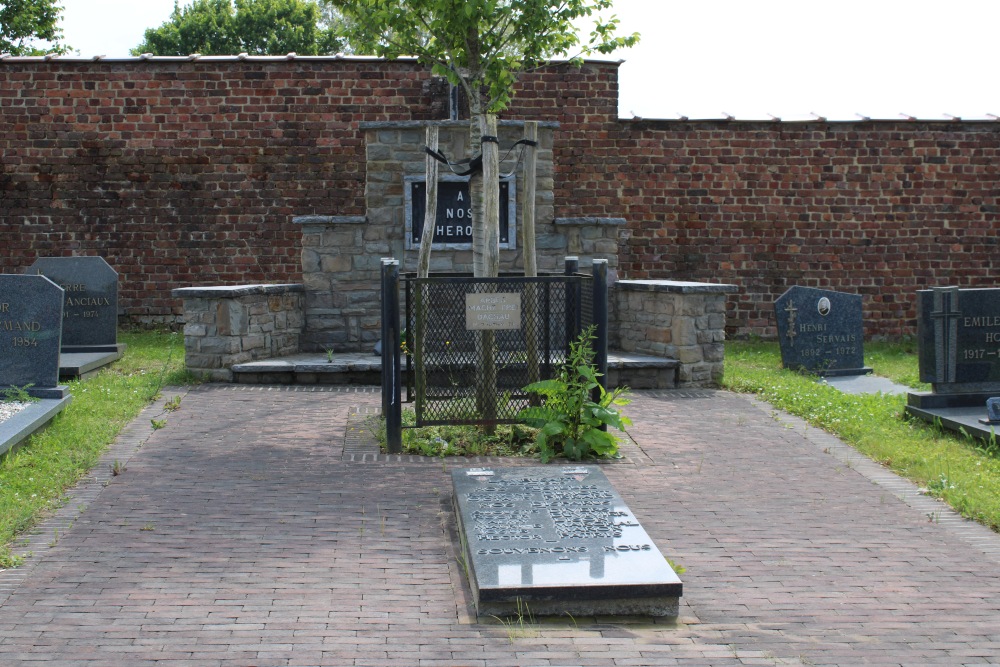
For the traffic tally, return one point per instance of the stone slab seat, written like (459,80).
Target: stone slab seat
(637,371)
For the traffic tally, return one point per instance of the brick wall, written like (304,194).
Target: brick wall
(189,173)
(880,209)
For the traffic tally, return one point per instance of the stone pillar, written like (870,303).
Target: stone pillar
(232,325)
(679,320)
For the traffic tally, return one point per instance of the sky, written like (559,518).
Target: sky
(749,59)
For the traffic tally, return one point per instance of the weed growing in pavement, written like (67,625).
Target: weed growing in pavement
(521,625)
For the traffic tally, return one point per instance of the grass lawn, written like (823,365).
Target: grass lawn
(34,479)
(964,472)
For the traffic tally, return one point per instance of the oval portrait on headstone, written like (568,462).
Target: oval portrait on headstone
(823,306)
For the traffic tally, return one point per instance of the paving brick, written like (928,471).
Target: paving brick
(240,534)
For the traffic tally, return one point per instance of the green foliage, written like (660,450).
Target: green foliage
(24,21)
(570,423)
(964,473)
(34,478)
(17,395)
(256,27)
(461,440)
(479,44)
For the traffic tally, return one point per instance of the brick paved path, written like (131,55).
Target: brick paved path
(240,534)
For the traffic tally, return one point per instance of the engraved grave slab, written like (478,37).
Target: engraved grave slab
(555,540)
(30,332)
(821,331)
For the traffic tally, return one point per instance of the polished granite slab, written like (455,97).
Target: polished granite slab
(558,539)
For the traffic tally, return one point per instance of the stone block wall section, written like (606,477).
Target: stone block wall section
(679,320)
(190,172)
(233,325)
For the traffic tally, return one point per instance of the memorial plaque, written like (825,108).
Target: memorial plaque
(31,314)
(454,213)
(492,311)
(959,339)
(556,540)
(90,313)
(821,331)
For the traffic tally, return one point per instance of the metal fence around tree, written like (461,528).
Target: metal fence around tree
(457,373)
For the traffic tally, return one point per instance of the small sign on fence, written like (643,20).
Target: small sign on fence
(492,311)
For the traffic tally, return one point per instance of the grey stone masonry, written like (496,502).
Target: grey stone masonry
(681,320)
(232,325)
(341,254)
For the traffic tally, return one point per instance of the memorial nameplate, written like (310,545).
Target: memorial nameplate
(31,314)
(555,540)
(492,311)
(454,213)
(821,331)
(959,339)
(90,313)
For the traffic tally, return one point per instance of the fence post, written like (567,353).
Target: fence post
(391,374)
(574,301)
(601,320)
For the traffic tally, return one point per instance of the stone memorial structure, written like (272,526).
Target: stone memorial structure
(556,540)
(90,312)
(821,331)
(958,337)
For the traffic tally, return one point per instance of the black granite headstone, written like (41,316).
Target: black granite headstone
(90,315)
(959,339)
(31,313)
(821,331)
(555,540)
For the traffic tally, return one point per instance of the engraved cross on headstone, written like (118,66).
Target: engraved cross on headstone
(791,310)
(945,315)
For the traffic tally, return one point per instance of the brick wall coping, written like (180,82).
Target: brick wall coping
(233,291)
(589,221)
(419,124)
(676,287)
(329,220)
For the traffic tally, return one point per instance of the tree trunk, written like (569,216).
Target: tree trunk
(423,267)
(490,250)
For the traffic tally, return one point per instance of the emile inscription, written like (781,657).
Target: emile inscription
(988,338)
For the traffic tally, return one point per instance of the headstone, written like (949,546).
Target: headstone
(31,313)
(90,315)
(958,341)
(557,540)
(821,331)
